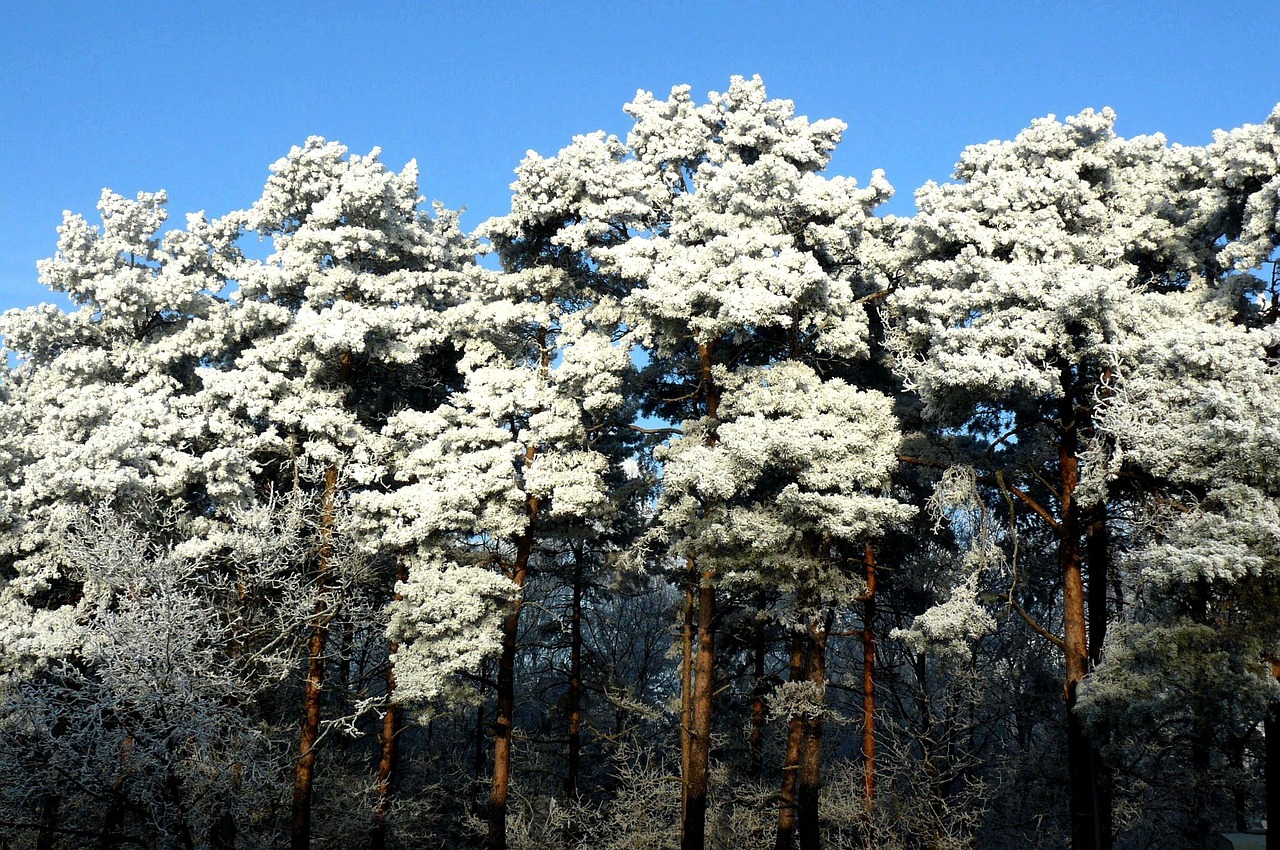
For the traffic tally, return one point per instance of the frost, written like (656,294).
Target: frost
(951,628)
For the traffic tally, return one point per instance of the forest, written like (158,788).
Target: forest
(694,503)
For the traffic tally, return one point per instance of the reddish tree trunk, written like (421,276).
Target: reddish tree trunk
(504,719)
(755,764)
(574,698)
(787,797)
(392,723)
(686,677)
(1086,829)
(304,769)
(811,754)
(869,684)
(696,783)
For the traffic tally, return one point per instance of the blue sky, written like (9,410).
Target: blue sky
(200,98)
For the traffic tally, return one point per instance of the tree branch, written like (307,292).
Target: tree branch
(1036,627)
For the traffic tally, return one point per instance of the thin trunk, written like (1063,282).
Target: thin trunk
(392,724)
(1271,732)
(572,835)
(113,820)
(811,752)
(693,832)
(1098,558)
(1202,727)
(787,798)
(504,719)
(869,684)
(180,825)
(1239,791)
(686,677)
(1085,827)
(477,755)
(695,780)
(49,806)
(309,733)
(755,763)
(222,834)
(304,770)
(345,644)
(575,688)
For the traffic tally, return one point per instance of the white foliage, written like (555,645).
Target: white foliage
(950,628)
(446,623)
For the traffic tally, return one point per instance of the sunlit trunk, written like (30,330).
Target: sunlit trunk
(309,734)
(696,778)
(696,785)
(504,717)
(389,741)
(811,752)
(1098,558)
(1086,828)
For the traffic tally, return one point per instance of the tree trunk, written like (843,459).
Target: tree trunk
(755,756)
(222,834)
(686,679)
(1098,558)
(696,782)
(113,820)
(477,740)
(811,752)
(392,723)
(787,797)
(869,684)
(304,769)
(504,719)
(574,698)
(1271,732)
(1085,826)
(1202,727)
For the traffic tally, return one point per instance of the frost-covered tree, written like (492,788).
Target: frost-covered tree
(729,252)
(1190,413)
(323,341)
(94,407)
(1027,283)
(148,724)
(524,458)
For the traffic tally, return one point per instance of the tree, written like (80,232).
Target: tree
(324,339)
(1025,280)
(724,240)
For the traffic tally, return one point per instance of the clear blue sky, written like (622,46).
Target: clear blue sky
(199,98)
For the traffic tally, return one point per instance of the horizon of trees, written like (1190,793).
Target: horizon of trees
(724,513)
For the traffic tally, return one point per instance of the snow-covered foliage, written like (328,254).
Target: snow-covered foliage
(1040,258)
(794,459)
(212,464)
(149,706)
(344,310)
